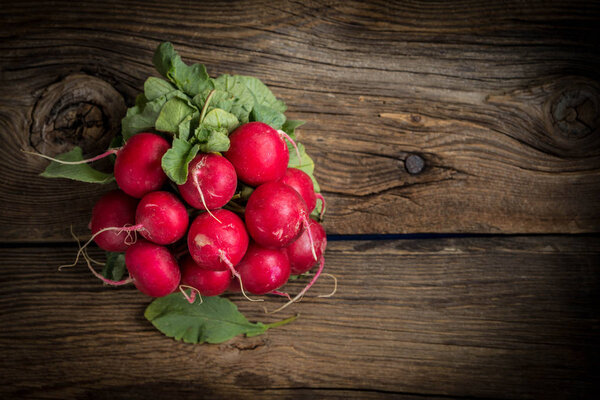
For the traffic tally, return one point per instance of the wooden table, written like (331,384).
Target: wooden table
(471,126)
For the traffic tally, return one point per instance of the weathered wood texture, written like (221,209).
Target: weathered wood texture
(500,100)
(484,317)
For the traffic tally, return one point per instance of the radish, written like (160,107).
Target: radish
(258,153)
(301,182)
(138,167)
(217,245)
(161,218)
(115,208)
(300,251)
(153,268)
(208,283)
(211,182)
(276,215)
(263,270)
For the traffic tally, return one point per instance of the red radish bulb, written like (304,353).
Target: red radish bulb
(300,251)
(153,268)
(210,176)
(258,153)
(115,208)
(275,215)
(162,218)
(303,184)
(263,270)
(138,167)
(207,282)
(217,245)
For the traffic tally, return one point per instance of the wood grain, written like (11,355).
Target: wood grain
(501,101)
(506,318)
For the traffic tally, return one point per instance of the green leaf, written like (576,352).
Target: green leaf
(305,163)
(188,125)
(217,141)
(261,93)
(172,114)
(191,79)
(218,119)
(215,320)
(115,268)
(176,160)
(290,125)
(77,172)
(267,115)
(142,117)
(156,87)
(242,99)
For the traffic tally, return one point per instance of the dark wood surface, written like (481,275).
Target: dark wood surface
(473,317)
(469,117)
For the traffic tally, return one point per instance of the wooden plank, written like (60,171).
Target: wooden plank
(510,318)
(501,103)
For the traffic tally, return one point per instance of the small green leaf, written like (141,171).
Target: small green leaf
(261,93)
(290,125)
(217,141)
(115,268)
(155,87)
(242,98)
(267,115)
(219,119)
(77,172)
(173,113)
(215,320)
(187,126)
(191,79)
(176,160)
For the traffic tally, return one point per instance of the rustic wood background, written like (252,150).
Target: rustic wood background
(476,118)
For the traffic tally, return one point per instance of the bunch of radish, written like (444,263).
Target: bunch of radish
(214,193)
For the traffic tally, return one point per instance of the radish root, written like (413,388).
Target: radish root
(289,139)
(323,206)
(303,291)
(236,275)
(190,298)
(82,252)
(197,184)
(310,238)
(278,293)
(82,248)
(89,160)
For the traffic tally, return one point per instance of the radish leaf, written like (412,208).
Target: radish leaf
(215,320)
(77,172)
(114,269)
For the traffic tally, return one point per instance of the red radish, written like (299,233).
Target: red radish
(300,251)
(301,182)
(115,208)
(258,153)
(275,215)
(211,182)
(263,270)
(153,268)
(217,245)
(159,217)
(208,283)
(162,217)
(138,167)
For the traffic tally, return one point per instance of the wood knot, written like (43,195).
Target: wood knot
(414,164)
(80,110)
(575,111)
